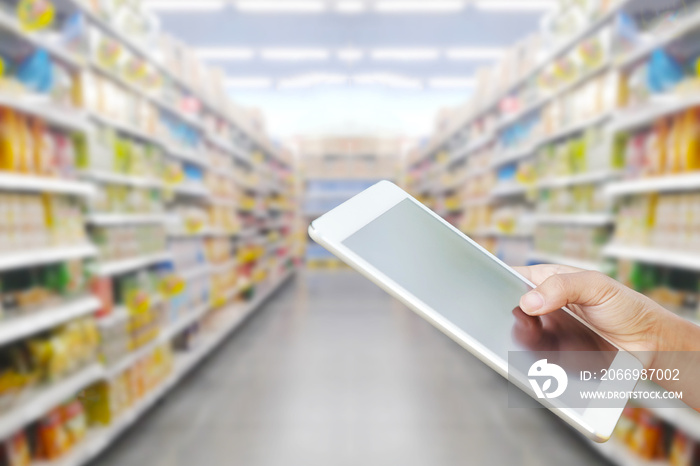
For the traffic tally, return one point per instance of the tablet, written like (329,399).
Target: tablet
(471,296)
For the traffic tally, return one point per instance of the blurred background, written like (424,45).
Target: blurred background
(160,160)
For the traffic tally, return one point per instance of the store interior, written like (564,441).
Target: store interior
(164,304)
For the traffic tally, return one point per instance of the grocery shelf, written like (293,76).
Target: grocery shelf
(206,232)
(620,455)
(108,219)
(525,111)
(477,171)
(40,40)
(195,272)
(478,202)
(136,89)
(141,50)
(481,232)
(103,176)
(573,180)
(662,39)
(99,439)
(570,43)
(247,232)
(588,75)
(683,182)
(630,119)
(517,154)
(125,128)
(567,45)
(41,400)
(472,147)
(513,155)
(29,183)
(64,118)
(36,321)
(119,267)
(163,337)
(223,202)
(670,258)
(191,190)
(186,155)
(544,257)
(575,128)
(33,256)
(524,234)
(592,219)
(224,266)
(509,189)
(117,315)
(541,102)
(675,412)
(228,147)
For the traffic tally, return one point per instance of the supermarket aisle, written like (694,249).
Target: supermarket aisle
(334,372)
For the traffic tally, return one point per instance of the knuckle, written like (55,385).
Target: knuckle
(557,285)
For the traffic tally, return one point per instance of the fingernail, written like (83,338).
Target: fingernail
(532,302)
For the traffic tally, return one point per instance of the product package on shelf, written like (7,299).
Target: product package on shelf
(29,290)
(30,146)
(45,358)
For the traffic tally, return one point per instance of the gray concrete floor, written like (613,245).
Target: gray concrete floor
(332,371)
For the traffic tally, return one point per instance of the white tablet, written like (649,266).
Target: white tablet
(467,293)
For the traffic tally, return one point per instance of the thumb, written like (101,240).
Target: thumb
(557,291)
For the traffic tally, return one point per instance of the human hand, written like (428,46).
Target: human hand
(635,323)
(628,319)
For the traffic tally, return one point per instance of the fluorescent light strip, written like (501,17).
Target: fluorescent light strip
(451,83)
(184,5)
(225,53)
(312,79)
(419,6)
(387,79)
(514,5)
(350,55)
(284,54)
(474,53)
(350,7)
(281,6)
(249,82)
(407,54)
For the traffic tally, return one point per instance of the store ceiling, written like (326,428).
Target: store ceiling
(248,37)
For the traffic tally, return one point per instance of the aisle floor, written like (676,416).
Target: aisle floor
(331,371)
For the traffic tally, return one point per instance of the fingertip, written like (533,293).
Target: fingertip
(532,302)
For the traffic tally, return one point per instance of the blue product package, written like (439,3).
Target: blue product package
(36,71)
(664,72)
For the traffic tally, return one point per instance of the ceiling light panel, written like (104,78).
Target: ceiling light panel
(515,5)
(388,79)
(419,6)
(281,6)
(225,53)
(350,7)
(474,53)
(292,54)
(249,83)
(451,82)
(350,55)
(312,79)
(184,5)
(405,54)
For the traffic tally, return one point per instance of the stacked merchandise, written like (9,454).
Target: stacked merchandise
(335,170)
(587,156)
(144,216)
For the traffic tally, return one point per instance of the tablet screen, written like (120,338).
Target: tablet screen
(464,285)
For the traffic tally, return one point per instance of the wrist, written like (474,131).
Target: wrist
(673,333)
